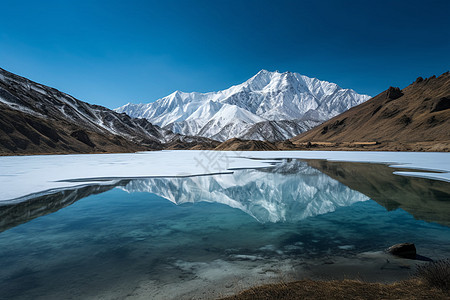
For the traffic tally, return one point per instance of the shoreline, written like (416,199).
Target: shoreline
(342,289)
(284,278)
(287,146)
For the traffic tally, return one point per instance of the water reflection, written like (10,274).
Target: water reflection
(290,191)
(14,214)
(117,246)
(425,199)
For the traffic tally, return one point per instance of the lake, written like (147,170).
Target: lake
(163,226)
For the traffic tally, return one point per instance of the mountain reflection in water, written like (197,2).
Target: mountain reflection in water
(290,191)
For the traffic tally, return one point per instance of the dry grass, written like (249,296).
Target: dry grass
(344,289)
(436,274)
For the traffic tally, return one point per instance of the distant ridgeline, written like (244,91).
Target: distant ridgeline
(270,106)
(259,114)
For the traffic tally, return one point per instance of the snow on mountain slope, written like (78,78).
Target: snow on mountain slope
(267,96)
(35,118)
(29,97)
(231,117)
(273,131)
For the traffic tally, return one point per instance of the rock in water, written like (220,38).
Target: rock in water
(405,250)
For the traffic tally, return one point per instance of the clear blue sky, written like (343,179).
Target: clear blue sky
(114,52)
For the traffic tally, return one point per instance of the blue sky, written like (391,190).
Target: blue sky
(113,52)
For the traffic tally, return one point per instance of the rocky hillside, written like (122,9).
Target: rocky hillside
(36,119)
(236,144)
(415,118)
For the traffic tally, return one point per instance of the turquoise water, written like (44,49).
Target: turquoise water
(130,242)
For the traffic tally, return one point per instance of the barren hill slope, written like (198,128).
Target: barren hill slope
(37,119)
(417,116)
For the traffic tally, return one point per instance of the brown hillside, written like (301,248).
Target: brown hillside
(22,133)
(37,119)
(417,115)
(236,144)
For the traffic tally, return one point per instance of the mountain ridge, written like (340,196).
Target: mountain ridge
(35,118)
(419,113)
(416,118)
(267,96)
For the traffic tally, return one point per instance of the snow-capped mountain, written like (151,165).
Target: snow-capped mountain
(269,106)
(290,191)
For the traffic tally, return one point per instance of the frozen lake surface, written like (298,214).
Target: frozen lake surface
(26,175)
(140,226)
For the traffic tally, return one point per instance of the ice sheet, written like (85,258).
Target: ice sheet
(425,161)
(25,175)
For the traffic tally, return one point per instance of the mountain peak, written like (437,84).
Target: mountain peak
(263,71)
(175,94)
(270,73)
(267,96)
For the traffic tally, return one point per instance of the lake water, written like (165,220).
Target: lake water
(214,235)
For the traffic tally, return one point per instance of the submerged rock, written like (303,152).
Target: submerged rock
(405,250)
